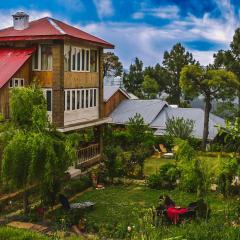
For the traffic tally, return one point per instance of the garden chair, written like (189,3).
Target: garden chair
(67,206)
(164,151)
(157,152)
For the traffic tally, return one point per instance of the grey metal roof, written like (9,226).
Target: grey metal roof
(196,114)
(109,91)
(148,109)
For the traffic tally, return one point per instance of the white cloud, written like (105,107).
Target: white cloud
(104,8)
(6,16)
(164,12)
(204,57)
(72,5)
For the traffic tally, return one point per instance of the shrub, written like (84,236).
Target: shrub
(165,179)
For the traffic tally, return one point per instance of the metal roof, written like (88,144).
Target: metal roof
(109,91)
(195,114)
(49,28)
(148,109)
(11,60)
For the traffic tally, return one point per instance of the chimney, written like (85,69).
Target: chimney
(20,21)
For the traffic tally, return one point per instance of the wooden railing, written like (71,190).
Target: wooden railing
(88,153)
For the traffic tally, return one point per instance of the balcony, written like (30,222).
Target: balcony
(88,156)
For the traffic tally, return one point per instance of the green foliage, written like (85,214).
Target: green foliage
(134,79)
(179,128)
(112,65)
(166,177)
(173,62)
(150,87)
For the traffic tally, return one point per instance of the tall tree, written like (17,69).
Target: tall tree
(173,62)
(112,65)
(133,80)
(230,60)
(150,87)
(212,84)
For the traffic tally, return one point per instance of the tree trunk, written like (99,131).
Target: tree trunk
(207,110)
(25,202)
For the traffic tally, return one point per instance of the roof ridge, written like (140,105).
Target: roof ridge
(55,25)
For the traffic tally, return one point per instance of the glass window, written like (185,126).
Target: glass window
(11,83)
(87,98)
(73,100)
(68,100)
(95,98)
(22,82)
(49,100)
(35,60)
(83,59)
(78,99)
(74,59)
(87,60)
(67,57)
(93,61)
(91,98)
(16,83)
(78,59)
(46,57)
(82,99)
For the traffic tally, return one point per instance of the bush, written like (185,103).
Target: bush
(165,179)
(76,186)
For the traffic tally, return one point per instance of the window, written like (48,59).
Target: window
(42,59)
(67,58)
(91,98)
(80,59)
(49,100)
(86,99)
(16,82)
(95,98)
(78,99)
(82,103)
(73,100)
(68,100)
(93,60)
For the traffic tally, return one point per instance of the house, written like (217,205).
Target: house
(68,64)
(156,113)
(113,96)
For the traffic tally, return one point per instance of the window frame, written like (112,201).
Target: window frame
(79,50)
(19,82)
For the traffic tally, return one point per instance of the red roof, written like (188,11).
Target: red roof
(49,28)
(11,60)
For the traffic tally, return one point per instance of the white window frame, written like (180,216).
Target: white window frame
(19,80)
(82,93)
(45,96)
(79,49)
(39,68)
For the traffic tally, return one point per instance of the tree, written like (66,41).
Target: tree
(230,60)
(133,80)
(150,87)
(212,84)
(35,153)
(179,128)
(112,65)
(173,62)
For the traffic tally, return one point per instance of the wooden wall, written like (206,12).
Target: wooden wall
(113,102)
(45,78)
(24,72)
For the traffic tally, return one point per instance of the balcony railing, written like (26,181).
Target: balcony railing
(88,156)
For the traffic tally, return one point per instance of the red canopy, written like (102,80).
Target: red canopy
(11,60)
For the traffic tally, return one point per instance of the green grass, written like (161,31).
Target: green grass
(153,163)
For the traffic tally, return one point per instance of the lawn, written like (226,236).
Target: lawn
(153,163)
(118,206)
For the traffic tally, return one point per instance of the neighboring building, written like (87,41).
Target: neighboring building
(68,64)
(113,81)
(113,96)
(156,113)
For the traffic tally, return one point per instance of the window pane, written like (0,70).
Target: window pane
(78,99)
(67,57)
(35,60)
(22,82)
(83,96)
(11,83)
(46,57)
(78,60)
(16,83)
(95,97)
(73,100)
(93,61)
(83,59)
(86,98)
(74,59)
(87,60)
(68,100)
(91,97)
(49,100)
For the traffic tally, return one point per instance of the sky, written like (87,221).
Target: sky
(142,28)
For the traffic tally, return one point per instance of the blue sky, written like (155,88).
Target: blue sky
(142,28)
